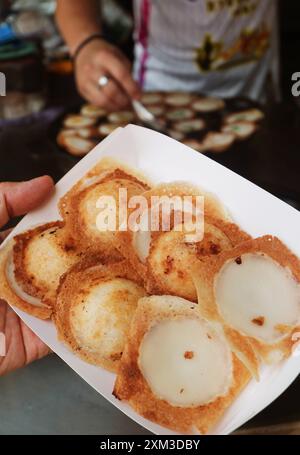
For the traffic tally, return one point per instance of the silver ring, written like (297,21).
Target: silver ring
(103,81)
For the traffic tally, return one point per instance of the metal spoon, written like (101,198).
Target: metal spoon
(147,118)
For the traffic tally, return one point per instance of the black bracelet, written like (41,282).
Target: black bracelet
(84,43)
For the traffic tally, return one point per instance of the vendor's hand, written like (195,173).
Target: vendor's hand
(22,345)
(99,58)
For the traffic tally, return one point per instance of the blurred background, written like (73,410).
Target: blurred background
(39,51)
(40,91)
(35,60)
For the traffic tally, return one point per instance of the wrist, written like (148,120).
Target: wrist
(84,43)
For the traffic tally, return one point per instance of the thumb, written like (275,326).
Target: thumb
(19,198)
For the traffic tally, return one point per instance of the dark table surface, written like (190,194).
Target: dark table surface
(270,159)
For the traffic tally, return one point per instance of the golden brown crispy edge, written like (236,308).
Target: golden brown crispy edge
(7,294)
(21,242)
(103,171)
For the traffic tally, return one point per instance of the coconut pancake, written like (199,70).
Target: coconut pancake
(81,207)
(156,109)
(194,144)
(75,121)
(177,135)
(78,146)
(241,130)
(103,170)
(63,134)
(94,308)
(249,115)
(255,290)
(31,267)
(208,104)
(213,142)
(172,255)
(152,98)
(135,246)
(13,294)
(107,128)
(178,99)
(189,126)
(179,113)
(177,368)
(91,111)
(87,133)
(121,117)
(218,142)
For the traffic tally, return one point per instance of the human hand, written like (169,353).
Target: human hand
(99,58)
(22,346)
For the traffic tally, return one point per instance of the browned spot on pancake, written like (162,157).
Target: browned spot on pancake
(115,357)
(259,321)
(214,248)
(180,274)
(283,328)
(207,248)
(69,247)
(168,265)
(188,355)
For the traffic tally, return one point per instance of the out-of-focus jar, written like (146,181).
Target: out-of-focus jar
(21,62)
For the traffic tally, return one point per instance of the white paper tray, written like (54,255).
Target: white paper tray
(163,159)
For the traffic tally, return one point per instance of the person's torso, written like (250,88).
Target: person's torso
(203,44)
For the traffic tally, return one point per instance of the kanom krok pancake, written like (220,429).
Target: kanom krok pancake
(255,290)
(172,256)
(241,130)
(79,206)
(135,246)
(208,104)
(31,267)
(78,121)
(94,308)
(91,111)
(249,115)
(177,368)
